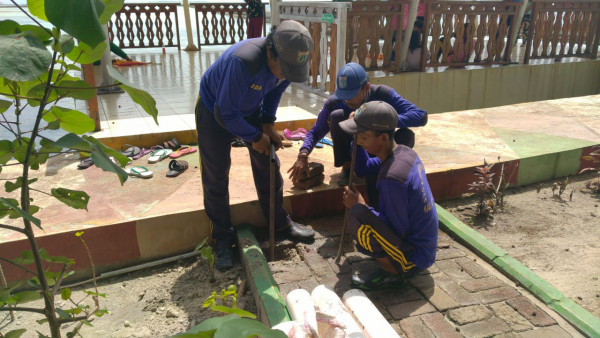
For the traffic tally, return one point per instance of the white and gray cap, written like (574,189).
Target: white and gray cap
(294,46)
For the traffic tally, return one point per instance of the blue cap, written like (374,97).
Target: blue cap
(350,79)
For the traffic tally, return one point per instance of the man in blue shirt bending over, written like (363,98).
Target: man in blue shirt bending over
(402,236)
(353,89)
(239,95)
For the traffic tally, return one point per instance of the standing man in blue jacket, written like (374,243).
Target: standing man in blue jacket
(353,89)
(402,235)
(239,95)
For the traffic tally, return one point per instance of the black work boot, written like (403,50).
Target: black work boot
(224,260)
(296,232)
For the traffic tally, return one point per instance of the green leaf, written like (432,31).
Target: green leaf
(37,92)
(139,96)
(4,105)
(66,44)
(62,313)
(245,327)
(92,293)
(54,259)
(76,89)
(212,324)
(79,18)
(98,151)
(72,121)
(239,312)
(101,313)
(36,7)
(85,54)
(73,198)
(201,244)
(8,27)
(23,57)
(20,149)
(65,293)
(27,296)
(110,8)
(49,146)
(15,333)
(10,186)
(37,31)
(5,151)
(18,211)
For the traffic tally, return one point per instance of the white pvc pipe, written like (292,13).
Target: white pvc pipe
(329,304)
(373,323)
(302,310)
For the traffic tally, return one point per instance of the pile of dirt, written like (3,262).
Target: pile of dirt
(156,302)
(555,236)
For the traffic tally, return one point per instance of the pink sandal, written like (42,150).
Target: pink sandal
(299,134)
(184,150)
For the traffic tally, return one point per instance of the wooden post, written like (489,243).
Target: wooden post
(88,76)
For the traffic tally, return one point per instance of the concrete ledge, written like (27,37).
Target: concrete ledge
(269,302)
(572,312)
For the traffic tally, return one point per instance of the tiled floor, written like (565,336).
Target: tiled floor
(459,296)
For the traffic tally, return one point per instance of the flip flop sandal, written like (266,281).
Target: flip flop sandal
(319,145)
(139,171)
(287,134)
(129,150)
(158,155)
(176,168)
(302,130)
(184,150)
(326,141)
(172,144)
(85,163)
(143,152)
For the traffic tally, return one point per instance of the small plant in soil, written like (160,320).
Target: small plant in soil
(484,187)
(594,157)
(237,322)
(207,253)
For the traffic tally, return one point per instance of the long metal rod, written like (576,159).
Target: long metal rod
(272,204)
(350,181)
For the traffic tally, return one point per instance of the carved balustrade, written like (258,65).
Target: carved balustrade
(562,29)
(145,25)
(222,23)
(460,33)
(328,39)
(370,21)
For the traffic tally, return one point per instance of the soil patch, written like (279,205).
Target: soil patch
(156,302)
(556,237)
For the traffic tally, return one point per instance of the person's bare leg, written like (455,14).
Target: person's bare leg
(387,265)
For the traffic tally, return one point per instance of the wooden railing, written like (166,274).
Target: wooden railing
(222,23)
(468,33)
(368,22)
(328,39)
(145,25)
(563,28)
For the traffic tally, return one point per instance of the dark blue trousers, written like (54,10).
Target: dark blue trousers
(342,142)
(214,144)
(375,238)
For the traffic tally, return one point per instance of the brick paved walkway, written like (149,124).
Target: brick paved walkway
(460,295)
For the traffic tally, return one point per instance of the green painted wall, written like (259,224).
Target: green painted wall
(460,89)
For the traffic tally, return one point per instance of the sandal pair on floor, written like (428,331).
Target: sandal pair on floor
(298,134)
(175,169)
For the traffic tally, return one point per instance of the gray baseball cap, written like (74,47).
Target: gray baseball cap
(294,47)
(374,115)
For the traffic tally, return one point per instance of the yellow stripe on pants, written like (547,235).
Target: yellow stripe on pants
(364,233)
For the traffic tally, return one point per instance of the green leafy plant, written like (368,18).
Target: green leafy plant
(233,324)
(39,68)
(207,253)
